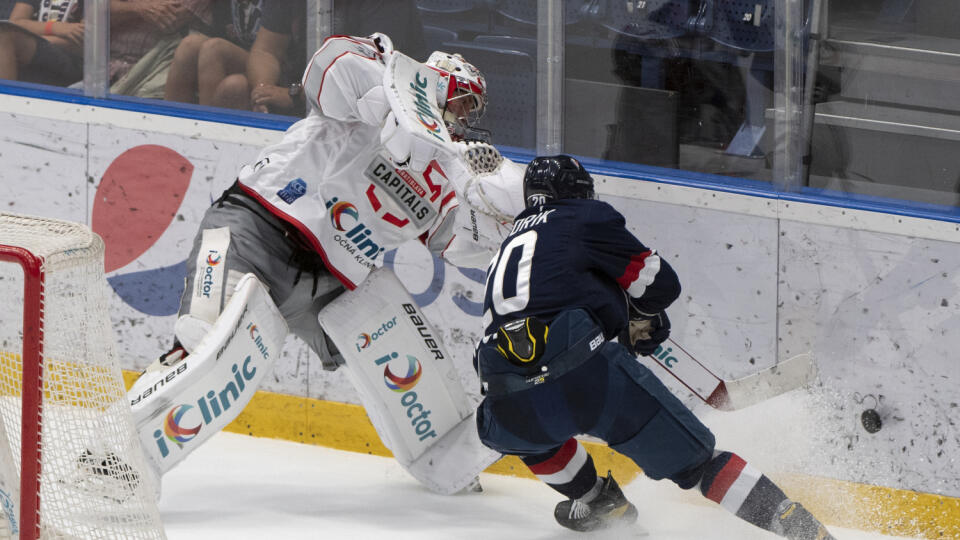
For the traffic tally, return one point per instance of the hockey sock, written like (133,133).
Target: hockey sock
(568,469)
(744,491)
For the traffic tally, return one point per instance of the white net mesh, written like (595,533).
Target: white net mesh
(94,481)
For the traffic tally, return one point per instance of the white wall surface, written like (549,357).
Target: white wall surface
(873,296)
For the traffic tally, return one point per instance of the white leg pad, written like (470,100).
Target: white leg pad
(178,408)
(190,331)
(408,384)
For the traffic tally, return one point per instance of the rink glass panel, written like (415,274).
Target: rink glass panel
(709,90)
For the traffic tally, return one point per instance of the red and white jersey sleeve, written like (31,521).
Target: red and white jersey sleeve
(332,180)
(344,81)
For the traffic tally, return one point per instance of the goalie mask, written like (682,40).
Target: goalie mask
(462,93)
(556,177)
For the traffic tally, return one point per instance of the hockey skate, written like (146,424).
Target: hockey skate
(170,358)
(794,522)
(104,475)
(473,487)
(610,508)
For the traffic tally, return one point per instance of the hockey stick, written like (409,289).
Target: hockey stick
(730,395)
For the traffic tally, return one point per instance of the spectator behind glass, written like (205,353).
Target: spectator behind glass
(42,42)
(271,81)
(144,35)
(204,59)
(399,19)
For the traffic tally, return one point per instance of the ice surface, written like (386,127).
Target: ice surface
(236,486)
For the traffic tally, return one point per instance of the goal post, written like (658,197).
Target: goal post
(70,461)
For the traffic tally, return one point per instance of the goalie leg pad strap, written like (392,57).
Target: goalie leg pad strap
(180,407)
(407,382)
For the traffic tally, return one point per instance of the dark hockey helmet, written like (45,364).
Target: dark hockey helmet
(555,177)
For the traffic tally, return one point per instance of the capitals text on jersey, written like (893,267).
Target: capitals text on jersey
(403,189)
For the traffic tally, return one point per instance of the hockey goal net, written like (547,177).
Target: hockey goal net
(70,462)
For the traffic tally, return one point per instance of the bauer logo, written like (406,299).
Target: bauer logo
(354,237)
(365,339)
(294,189)
(181,367)
(183,422)
(408,373)
(421,325)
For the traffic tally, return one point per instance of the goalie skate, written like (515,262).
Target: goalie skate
(104,475)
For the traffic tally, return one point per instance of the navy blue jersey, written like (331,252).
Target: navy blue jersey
(575,253)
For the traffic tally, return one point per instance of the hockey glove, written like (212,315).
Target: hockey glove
(411,150)
(647,332)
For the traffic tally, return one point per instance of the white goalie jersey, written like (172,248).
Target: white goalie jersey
(332,180)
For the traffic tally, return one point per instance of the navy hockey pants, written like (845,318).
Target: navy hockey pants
(610,396)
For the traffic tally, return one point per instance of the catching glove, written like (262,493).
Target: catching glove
(647,332)
(410,150)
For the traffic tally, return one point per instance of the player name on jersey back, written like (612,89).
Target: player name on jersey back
(531,221)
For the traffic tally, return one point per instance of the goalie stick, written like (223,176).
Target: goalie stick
(730,395)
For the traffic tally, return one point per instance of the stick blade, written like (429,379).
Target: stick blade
(788,375)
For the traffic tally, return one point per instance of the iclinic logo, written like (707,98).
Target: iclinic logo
(425,113)
(664,355)
(174,431)
(401,383)
(356,236)
(258,341)
(340,209)
(209,406)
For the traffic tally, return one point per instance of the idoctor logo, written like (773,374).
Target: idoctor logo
(364,339)
(416,412)
(205,284)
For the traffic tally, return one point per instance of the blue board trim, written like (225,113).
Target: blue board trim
(273,122)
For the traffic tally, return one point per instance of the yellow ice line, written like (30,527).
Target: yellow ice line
(345,426)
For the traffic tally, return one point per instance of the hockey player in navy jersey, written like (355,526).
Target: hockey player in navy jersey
(571,297)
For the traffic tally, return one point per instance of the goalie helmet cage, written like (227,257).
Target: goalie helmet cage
(67,436)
